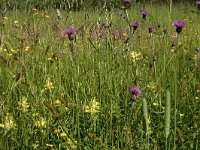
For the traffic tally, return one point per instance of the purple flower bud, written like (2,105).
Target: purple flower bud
(70,32)
(136,93)
(135,25)
(127,3)
(144,14)
(158,25)
(197,3)
(179,26)
(150,28)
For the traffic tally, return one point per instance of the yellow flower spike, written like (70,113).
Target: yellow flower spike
(9,123)
(49,85)
(5,50)
(63,134)
(181,115)
(136,56)
(196,98)
(23,105)
(93,107)
(41,123)
(58,102)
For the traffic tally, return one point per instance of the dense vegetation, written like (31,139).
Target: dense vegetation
(100,78)
(77,4)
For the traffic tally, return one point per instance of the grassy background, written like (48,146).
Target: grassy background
(101,68)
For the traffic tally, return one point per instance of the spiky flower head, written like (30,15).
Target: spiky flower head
(144,14)
(179,26)
(136,93)
(135,25)
(70,32)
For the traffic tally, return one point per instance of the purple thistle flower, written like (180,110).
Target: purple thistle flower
(179,26)
(197,3)
(150,28)
(136,93)
(135,25)
(127,3)
(144,14)
(70,32)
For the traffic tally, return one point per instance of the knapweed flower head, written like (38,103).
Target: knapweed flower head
(179,26)
(70,32)
(197,3)
(150,28)
(136,93)
(135,25)
(127,3)
(144,14)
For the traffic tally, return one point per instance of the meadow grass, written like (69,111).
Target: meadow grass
(55,96)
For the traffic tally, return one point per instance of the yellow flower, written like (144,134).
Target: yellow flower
(41,123)
(63,134)
(13,51)
(56,131)
(151,86)
(57,102)
(196,98)
(9,123)
(35,114)
(6,18)
(27,48)
(50,59)
(49,85)
(93,107)
(10,55)
(1,125)
(23,105)
(181,115)
(155,104)
(16,22)
(136,56)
